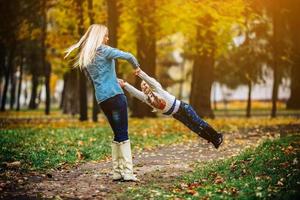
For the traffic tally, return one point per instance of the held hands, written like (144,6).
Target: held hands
(137,71)
(121,82)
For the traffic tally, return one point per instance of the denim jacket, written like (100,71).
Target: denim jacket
(102,72)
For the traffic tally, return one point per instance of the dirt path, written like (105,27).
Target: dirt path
(92,180)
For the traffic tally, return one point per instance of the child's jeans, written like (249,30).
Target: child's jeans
(115,110)
(188,116)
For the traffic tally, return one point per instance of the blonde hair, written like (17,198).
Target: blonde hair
(88,45)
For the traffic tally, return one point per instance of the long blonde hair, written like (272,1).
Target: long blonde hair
(88,45)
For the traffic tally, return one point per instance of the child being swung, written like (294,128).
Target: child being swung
(162,101)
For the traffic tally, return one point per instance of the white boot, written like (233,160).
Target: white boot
(115,149)
(126,160)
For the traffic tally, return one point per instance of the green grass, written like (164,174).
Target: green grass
(44,148)
(269,171)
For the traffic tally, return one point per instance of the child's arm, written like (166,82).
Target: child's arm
(151,81)
(134,92)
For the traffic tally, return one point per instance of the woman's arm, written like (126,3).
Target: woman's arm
(113,53)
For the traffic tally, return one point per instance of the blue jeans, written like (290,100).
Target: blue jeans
(188,116)
(115,110)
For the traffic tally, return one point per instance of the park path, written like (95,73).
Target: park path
(162,165)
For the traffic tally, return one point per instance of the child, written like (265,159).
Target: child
(160,100)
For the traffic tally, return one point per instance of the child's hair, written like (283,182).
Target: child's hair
(88,45)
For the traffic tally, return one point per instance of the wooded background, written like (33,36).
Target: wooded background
(35,33)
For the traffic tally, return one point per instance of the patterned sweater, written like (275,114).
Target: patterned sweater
(159,99)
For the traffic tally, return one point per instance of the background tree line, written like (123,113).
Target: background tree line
(35,33)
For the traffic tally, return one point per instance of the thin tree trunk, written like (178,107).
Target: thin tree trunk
(63,92)
(2,67)
(146,46)
(275,59)
(33,96)
(20,80)
(96,109)
(248,110)
(82,78)
(7,75)
(47,87)
(46,65)
(12,82)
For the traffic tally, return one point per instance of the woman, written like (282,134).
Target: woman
(160,100)
(97,60)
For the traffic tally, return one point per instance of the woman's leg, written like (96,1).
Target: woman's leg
(188,116)
(115,110)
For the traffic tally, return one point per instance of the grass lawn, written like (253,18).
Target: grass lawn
(269,171)
(43,148)
(40,143)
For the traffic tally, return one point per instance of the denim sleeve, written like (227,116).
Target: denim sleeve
(113,53)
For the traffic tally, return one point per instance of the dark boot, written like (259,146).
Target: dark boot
(212,136)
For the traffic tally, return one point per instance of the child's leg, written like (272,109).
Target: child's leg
(188,116)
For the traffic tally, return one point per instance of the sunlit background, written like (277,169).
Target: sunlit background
(225,57)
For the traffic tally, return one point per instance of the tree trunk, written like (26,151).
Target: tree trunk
(20,80)
(113,15)
(96,109)
(7,75)
(71,95)
(82,78)
(2,67)
(146,47)
(294,24)
(275,59)
(34,86)
(47,87)
(202,79)
(13,86)
(46,65)
(203,69)
(63,91)
(294,100)
(248,110)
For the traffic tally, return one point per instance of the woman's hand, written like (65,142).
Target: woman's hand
(121,82)
(137,71)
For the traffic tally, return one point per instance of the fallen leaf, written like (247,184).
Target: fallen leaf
(79,155)
(279,183)
(80,143)
(284,165)
(233,190)
(192,192)
(219,180)
(14,165)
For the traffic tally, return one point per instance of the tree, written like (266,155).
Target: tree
(46,65)
(21,64)
(203,68)
(208,30)
(96,109)
(82,78)
(146,49)
(294,24)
